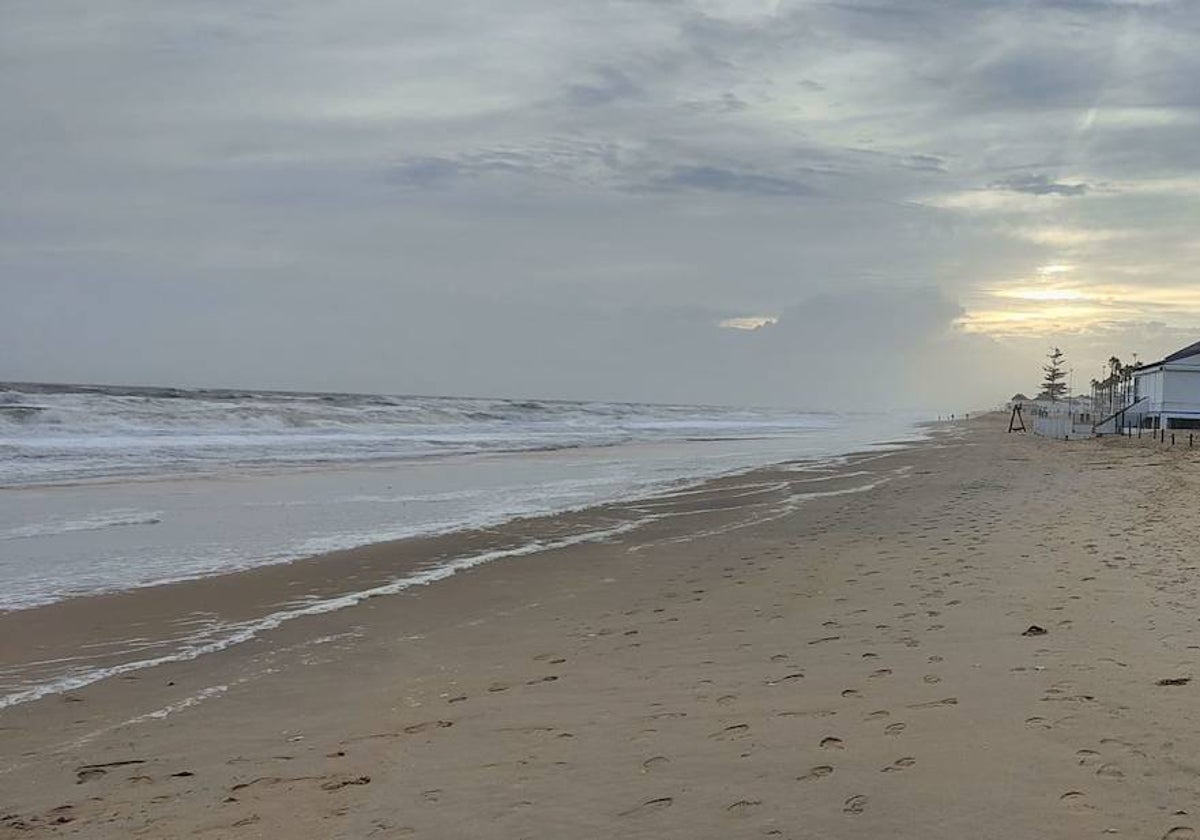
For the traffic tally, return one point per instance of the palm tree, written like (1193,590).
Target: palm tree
(1114,368)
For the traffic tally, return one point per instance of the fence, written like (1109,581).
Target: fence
(1057,420)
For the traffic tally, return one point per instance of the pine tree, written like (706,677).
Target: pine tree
(1053,385)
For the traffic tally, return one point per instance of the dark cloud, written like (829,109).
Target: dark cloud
(720,179)
(610,85)
(1041,76)
(928,163)
(1039,185)
(424,172)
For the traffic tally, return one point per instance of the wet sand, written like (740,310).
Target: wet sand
(994,641)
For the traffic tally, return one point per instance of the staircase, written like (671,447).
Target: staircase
(1097,427)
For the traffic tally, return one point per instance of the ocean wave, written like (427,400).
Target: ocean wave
(107,519)
(61,434)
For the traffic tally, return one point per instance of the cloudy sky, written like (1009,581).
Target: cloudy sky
(826,204)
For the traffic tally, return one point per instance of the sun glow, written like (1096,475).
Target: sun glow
(1040,294)
(1054,269)
(1051,303)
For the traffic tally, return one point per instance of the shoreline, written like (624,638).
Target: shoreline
(250,598)
(77,540)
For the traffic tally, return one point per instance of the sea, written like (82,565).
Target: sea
(105,489)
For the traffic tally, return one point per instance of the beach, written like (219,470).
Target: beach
(982,634)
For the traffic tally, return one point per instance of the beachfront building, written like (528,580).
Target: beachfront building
(1166,393)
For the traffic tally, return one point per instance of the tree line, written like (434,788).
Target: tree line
(1113,392)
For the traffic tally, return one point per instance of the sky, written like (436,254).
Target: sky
(859,204)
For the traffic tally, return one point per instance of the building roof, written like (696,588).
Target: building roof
(1190,350)
(1185,353)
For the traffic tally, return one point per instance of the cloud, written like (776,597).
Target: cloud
(720,179)
(748,322)
(566,198)
(610,85)
(424,172)
(1039,185)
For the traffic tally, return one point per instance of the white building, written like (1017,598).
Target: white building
(1166,394)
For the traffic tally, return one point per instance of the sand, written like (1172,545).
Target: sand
(994,641)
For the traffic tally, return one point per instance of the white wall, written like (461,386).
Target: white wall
(1181,389)
(1150,386)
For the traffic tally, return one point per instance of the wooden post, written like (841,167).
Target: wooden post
(1016,423)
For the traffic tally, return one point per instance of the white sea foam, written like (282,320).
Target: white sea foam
(95,522)
(54,433)
(186,703)
(771,512)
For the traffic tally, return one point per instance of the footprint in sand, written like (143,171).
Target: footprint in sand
(933,704)
(1132,749)
(737,730)
(1075,801)
(339,783)
(900,764)
(1110,771)
(832,743)
(894,729)
(86,772)
(1037,723)
(881,672)
(743,806)
(818,772)
(649,806)
(850,692)
(855,804)
(655,762)
(786,679)
(1179,832)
